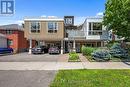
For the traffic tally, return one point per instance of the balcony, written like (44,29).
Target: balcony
(76,34)
(97,35)
(88,35)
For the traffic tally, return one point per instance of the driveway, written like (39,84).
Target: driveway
(25,57)
(26,78)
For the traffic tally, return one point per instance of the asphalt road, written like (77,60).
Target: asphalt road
(25,57)
(26,78)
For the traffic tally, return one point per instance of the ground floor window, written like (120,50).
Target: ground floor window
(10,42)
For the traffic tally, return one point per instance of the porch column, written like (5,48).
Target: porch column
(43,43)
(61,46)
(74,46)
(30,46)
(101,43)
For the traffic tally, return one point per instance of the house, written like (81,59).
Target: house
(45,31)
(90,33)
(3,41)
(15,37)
(64,34)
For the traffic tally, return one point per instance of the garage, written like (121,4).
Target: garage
(3,41)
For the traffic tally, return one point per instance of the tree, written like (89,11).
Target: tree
(117,17)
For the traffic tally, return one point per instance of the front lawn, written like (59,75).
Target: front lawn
(92,78)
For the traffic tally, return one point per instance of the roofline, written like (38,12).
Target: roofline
(2,35)
(95,17)
(40,19)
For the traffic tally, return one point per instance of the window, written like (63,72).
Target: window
(90,26)
(9,32)
(68,21)
(10,42)
(52,27)
(35,27)
(95,28)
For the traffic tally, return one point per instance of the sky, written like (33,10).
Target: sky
(60,8)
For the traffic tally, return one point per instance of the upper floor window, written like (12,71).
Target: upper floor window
(68,21)
(9,32)
(52,27)
(97,26)
(35,27)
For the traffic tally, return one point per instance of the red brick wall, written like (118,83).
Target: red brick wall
(19,42)
(22,42)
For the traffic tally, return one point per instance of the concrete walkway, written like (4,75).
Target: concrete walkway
(62,65)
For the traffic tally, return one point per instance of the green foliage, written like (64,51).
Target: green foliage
(92,78)
(117,51)
(110,44)
(101,55)
(73,56)
(87,50)
(117,17)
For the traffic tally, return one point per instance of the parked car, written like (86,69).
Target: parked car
(39,50)
(54,50)
(6,50)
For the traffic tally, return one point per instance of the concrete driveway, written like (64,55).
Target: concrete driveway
(25,57)
(31,78)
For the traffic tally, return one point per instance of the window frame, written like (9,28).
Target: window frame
(38,27)
(8,32)
(10,42)
(54,26)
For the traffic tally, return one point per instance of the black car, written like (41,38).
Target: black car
(39,50)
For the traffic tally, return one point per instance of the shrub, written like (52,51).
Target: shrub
(117,51)
(110,44)
(87,50)
(73,56)
(101,55)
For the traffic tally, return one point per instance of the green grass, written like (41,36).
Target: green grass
(92,78)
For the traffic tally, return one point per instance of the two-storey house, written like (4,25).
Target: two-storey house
(45,31)
(90,33)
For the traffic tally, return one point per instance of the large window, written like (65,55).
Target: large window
(95,28)
(35,27)
(52,27)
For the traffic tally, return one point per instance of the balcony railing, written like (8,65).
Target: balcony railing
(76,33)
(95,34)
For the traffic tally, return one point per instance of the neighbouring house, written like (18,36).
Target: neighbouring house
(3,41)
(45,31)
(15,37)
(90,33)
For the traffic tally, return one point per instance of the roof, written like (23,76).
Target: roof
(43,19)
(11,27)
(1,35)
(95,17)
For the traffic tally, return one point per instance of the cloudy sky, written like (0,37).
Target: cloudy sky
(36,8)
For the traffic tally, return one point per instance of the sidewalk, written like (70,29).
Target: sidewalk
(62,65)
